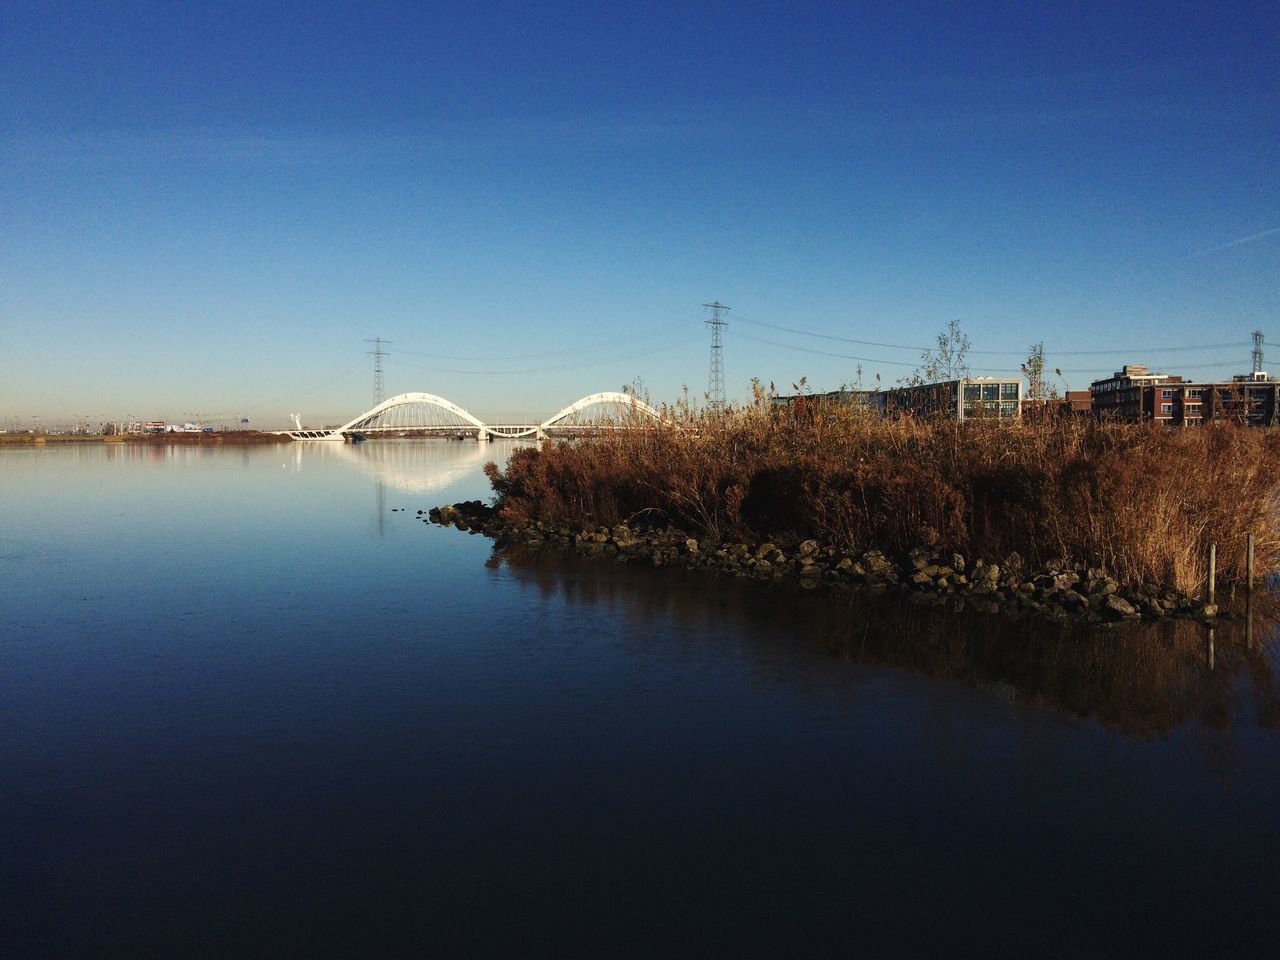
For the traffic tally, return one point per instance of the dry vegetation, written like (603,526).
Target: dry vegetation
(1141,501)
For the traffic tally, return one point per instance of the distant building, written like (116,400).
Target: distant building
(1122,395)
(969,398)
(833,398)
(1247,398)
(1133,394)
(1077,403)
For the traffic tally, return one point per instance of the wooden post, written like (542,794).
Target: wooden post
(1248,563)
(1213,573)
(1208,649)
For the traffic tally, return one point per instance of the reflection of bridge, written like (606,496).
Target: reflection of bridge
(425,414)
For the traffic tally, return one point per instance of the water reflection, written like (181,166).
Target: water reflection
(424,466)
(1143,681)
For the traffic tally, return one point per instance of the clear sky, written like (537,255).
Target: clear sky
(207,208)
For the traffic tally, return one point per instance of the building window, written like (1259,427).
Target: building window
(1008,391)
(1008,409)
(1166,394)
(990,391)
(1166,408)
(972,391)
(1195,393)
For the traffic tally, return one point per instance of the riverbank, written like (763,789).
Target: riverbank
(229,438)
(1056,591)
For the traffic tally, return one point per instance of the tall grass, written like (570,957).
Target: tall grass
(1142,501)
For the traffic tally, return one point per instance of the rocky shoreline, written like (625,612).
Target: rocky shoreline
(1057,591)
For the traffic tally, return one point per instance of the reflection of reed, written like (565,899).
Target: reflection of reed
(1141,680)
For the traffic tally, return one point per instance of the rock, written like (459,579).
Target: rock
(765,549)
(1116,607)
(1073,603)
(691,545)
(808,548)
(1151,607)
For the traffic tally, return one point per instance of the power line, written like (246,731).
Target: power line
(578,349)
(616,358)
(999,353)
(900,363)
(846,356)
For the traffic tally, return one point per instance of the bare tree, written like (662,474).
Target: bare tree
(1033,370)
(947,362)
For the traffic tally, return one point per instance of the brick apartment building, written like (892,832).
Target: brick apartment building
(1134,393)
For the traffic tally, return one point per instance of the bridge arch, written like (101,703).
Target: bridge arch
(597,399)
(374,418)
(405,399)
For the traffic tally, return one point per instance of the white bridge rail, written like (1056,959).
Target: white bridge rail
(426,411)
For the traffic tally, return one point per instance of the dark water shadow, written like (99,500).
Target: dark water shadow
(1143,681)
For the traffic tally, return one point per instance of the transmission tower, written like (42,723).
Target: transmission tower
(715,380)
(1257,351)
(377,353)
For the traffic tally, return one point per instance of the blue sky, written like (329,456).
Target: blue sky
(208,210)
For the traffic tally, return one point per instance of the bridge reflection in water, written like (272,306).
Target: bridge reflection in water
(425,414)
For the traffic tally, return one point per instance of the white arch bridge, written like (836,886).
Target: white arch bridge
(425,414)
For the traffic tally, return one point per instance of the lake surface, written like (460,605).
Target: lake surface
(250,705)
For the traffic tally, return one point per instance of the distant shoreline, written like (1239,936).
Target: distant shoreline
(223,438)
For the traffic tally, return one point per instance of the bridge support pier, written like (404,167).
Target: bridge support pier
(483,436)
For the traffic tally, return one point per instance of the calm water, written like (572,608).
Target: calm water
(249,708)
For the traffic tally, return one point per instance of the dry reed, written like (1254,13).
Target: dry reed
(1141,501)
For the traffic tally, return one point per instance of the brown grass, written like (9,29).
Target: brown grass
(1142,501)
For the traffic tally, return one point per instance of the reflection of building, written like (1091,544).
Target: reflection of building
(997,398)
